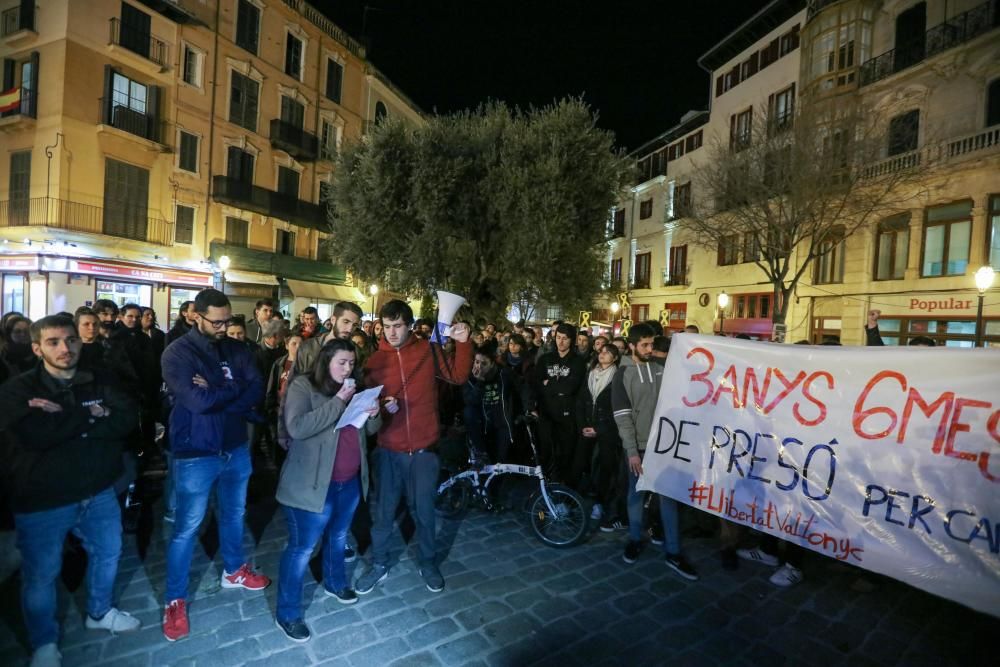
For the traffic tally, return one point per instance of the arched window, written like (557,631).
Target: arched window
(380,112)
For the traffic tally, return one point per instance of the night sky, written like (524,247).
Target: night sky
(633,62)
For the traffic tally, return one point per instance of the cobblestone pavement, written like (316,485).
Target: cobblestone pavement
(510,600)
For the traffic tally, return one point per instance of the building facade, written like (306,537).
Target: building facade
(933,69)
(148,140)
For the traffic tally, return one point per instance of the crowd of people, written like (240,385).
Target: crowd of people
(84,393)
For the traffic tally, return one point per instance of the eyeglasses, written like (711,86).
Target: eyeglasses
(218,324)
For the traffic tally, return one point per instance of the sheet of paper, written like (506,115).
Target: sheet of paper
(356,413)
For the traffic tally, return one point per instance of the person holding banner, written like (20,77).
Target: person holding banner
(634,392)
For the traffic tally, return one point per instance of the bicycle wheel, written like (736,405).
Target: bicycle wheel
(452,502)
(567,525)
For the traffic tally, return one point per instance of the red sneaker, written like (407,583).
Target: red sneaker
(245,578)
(175,621)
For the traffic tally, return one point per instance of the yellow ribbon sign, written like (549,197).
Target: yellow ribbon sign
(584,319)
(665,318)
(626,325)
(623,302)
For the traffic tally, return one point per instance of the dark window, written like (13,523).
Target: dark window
(247,26)
(328,141)
(188,152)
(789,42)
(23,74)
(740,126)
(682,201)
(892,247)
(334,80)
(619,224)
(645,209)
(642,264)
(184,225)
(904,131)
(131,105)
(243,101)
(20,187)
(324,250)
(781,107)
(830,265)
(192,66)
(911,36)
(285,243)
(237,232)
(677,271)
(616,272)
(134,31)
(751,247)
(729,250)
(693,142)
(288,182)
(380,112)
(293,56)
(947,232)
(993,233)
(292,112)
(993,103)
(126,200)
(239,165)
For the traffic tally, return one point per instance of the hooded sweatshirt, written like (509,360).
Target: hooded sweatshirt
(634,393)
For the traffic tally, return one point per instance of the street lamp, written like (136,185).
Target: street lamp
(723,301)
(373,290)
(224,266)
(984,281)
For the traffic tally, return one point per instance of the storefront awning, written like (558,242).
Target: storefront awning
(250,278)
(306,290)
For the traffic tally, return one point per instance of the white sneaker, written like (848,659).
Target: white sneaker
(46,655)
(786,576)
(757,556)
(597,512)
(114,621)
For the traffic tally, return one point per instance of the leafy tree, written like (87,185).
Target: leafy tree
(786,190)
(489,204)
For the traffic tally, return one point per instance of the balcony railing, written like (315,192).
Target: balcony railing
(28,106)
(268,202)
(139,42)
(17,18)
(294,140)
(77,217)
(956,30)
(130,120)
(968,145)
(676,278)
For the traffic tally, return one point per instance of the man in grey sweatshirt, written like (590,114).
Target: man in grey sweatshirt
(634,393)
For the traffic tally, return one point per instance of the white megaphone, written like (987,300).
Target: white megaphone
(448,305)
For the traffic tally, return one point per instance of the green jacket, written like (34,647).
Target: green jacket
(310,418)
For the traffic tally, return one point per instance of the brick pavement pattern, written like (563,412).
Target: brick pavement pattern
(509,600)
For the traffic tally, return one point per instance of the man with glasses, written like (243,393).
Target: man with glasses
(215,384)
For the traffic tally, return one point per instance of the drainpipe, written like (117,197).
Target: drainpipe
(211,124)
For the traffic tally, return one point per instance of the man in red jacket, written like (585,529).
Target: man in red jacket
(405,462)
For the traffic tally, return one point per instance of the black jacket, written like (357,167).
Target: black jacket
(596,414)
(556,383)
(139,349)
(56,459)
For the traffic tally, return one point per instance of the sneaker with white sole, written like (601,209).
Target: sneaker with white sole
(374,576)
(679,564)
(755,555)
(786,576)
(596,512)
(432,578)
(114,621)
(611,525)
(246,578)
(46,655)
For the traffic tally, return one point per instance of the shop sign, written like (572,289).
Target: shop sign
(127,271)
(29,263)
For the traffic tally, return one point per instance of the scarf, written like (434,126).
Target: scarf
(599,379)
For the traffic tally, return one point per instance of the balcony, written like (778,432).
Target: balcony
(957,30)
(121,117)
(17,24)
(283,266)
(268,202)
(140,43)
(76,217)
(21,116)
(295,141)
(968,146)
(676,278)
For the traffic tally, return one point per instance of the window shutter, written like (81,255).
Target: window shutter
(106,107)
(732,130)
(754,62)
(27,15)
(252,90)
(9,67)
(33,100)
(718,86)
(153,112)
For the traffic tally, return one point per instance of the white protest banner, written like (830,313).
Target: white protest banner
(884,458)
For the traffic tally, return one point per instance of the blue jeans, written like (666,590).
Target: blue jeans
(193,482)
(415,476)
(40,535)
(668,513)
(304,530)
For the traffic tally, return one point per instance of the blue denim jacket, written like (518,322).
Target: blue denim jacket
(212,419)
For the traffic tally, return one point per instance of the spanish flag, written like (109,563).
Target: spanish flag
(10,99)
